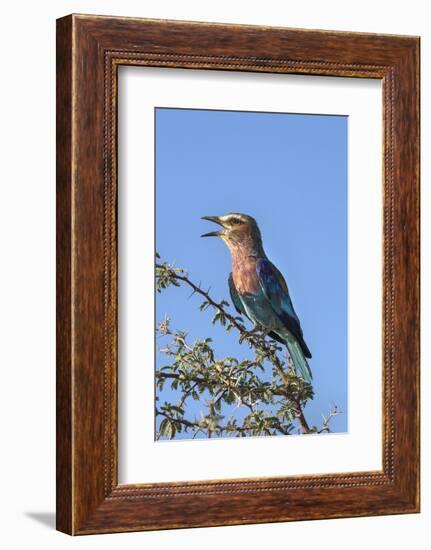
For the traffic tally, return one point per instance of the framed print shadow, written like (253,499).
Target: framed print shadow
(268,371)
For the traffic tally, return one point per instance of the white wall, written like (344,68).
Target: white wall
(27,116)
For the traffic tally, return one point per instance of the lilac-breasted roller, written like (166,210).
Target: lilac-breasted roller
(258,289)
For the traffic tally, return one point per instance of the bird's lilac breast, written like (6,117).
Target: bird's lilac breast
(245,276)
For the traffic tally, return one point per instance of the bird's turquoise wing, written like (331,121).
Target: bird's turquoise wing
(239,306)
(275,289)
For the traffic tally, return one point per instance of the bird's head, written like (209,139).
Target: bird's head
(238,231)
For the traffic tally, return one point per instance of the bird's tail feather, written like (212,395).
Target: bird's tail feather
(298,358)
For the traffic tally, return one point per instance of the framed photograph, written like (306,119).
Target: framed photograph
(237,274)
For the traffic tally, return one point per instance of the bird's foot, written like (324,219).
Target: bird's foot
(249,334)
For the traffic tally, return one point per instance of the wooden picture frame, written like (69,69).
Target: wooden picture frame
(89,51)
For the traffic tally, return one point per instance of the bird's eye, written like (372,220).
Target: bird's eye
(235,221)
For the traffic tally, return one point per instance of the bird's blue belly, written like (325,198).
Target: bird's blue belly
(260,310)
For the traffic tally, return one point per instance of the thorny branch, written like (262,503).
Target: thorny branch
(335,411)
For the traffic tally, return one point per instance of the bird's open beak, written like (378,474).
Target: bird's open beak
(216,220)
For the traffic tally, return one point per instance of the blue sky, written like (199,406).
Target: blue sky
(288,171)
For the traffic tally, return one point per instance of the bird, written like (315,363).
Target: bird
(258,289)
